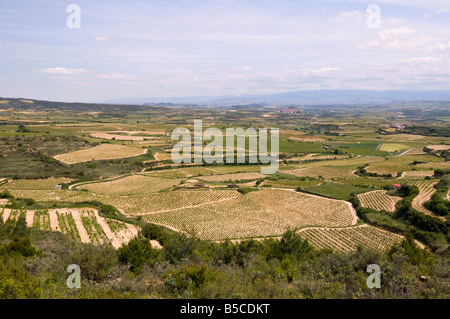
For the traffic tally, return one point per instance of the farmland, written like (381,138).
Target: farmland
(392,147)
(426,191)
(379,200)
(133,185)
(84,225)
(349,238)
(258,214)
(232,177)
(43,184)
(395,165)
(101,152)
(120,195)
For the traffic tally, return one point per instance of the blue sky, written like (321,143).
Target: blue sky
(178,48)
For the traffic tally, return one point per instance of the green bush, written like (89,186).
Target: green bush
(137,253)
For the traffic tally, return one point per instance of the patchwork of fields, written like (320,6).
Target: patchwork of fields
(196,200)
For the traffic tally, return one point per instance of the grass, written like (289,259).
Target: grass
(334,190)
(392,147)
(362,148)
(39,184)
(289,146)
(394,165)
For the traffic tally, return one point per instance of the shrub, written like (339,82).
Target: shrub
(137,253)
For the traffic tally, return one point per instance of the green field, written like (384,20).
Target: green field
(334,190)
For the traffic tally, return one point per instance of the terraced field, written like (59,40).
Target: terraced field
(101,152)
(379,200)
(263,213)
(349,238)
(427,190)
(81,224)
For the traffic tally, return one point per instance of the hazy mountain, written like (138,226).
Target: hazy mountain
(300,97)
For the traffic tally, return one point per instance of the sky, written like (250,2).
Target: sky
(184,48)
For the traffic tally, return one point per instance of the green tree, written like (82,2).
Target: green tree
(137,253)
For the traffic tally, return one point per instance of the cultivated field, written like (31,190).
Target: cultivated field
(325,172)
(379,200)
(394,165)
(131,185)
(349,238)
(438,147)
(232,177)
(258,214)
(118,137)
(42,184)
(392,147)
(427,190)
(80,224)
(136,204)
(417,174)
(101,152)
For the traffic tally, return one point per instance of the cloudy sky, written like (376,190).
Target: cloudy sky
(179,48)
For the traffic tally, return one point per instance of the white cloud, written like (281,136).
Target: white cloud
(437,47)
(443,10)
(420,62)
(405,39)
(101,39)
(352,16)
(116,76)
(320,71)
(64,71)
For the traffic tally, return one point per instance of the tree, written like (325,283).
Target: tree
(137,253)
(23,129)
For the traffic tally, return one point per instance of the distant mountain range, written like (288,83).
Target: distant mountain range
(318,97)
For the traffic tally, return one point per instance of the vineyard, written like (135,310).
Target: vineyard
(417,174)
(135,204)
(101,152)
(43,184)
(232,177)
(378,200)
(119,137)
(131,185)
(326,172)
(83,225)
(349,238)
(257,214)
(427,190)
